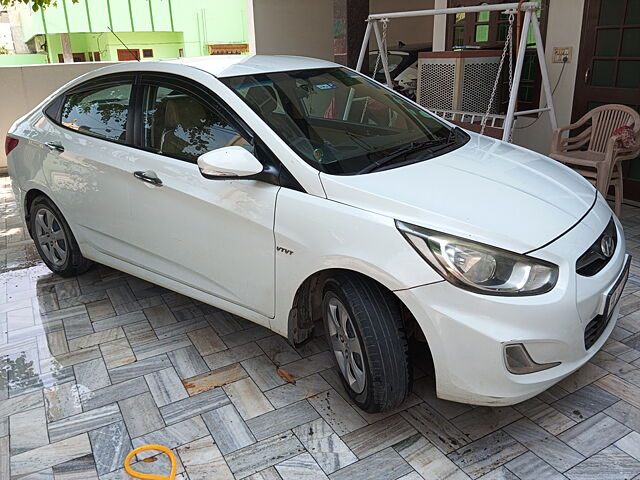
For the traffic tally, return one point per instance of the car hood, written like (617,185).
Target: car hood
(487,190)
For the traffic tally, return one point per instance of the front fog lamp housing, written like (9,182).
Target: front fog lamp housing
(478,267)
(519,362)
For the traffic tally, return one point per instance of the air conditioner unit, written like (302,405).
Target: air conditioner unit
(458,81)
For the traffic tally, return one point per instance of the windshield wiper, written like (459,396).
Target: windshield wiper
(411,148)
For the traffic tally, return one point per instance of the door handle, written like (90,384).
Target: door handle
(586,75)
(57,146)
(149,177)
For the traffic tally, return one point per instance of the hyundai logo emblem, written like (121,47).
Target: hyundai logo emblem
(607,245)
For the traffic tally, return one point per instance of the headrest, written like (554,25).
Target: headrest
(183,111)
(263,97)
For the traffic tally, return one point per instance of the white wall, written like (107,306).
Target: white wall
(24,87)
(563,30)
(408,30)
(293,27)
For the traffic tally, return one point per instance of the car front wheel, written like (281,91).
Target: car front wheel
(365,331)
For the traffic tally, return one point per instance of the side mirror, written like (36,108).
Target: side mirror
(229,162)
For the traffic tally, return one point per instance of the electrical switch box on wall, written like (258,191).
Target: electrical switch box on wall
(560,53)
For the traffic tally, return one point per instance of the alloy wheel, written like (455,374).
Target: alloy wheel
(51,237)
(345,344)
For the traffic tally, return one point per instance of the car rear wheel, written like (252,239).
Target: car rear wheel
(364,328)
(54,241)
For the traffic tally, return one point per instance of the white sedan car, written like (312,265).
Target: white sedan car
(291,190)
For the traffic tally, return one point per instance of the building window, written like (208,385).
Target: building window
(147,52)
(96,56)
(488,30)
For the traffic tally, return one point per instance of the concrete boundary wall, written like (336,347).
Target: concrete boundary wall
(24,87)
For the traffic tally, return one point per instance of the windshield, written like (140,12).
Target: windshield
(342,122)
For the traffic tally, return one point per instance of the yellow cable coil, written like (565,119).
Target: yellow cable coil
(149,476)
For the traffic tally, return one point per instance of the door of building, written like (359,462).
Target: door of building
(609,67)
(125,54)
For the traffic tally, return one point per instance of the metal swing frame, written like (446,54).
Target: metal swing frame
(530,21)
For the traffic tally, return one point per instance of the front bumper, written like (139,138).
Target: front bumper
(467,332)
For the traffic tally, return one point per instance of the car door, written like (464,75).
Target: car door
(88,160)
(212,235)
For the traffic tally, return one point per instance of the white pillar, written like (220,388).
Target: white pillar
(67,52)
(439,27)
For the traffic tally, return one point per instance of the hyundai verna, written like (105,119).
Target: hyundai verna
(289,190)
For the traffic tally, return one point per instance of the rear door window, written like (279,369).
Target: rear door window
(101,111)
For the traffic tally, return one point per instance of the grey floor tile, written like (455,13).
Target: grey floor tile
(264,372)
(159,316)
(62,401)
(378,436)
(436,428)
(139,368)
(188,362)
(585,403)
(112,393)
(304,388)
(583,377)
(28,430)
(5,455)
(530,467)
(556,453)
(594,434)
(245,336)
(326,447)
(117,353)
(341,416)
(159,347)
(100,309)
(626,414)
(263,454)
(278,421)
(165,386)
(545,415)
(384,465)
(247,398)
(174,435)
(49,455)
(630,444)
(300,467)
(139,333)
(91,375)
(310,365)
(481,421)
(427,460)
(267,474)
(97,338)
(202,460)
(83,422)
(206,341)
(229,430)
(216,378)
(196,405)
(232,355)
(119,321)
(620,388)
(278,350)
(181,328)
(77,326)
(81,468)
(487,453)
(19,404)
(141,415)
(111,445)
(610,464)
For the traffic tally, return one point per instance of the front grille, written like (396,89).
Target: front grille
(594,330)
(594,259)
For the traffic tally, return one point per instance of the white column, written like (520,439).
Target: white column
(67,52)
(439,27)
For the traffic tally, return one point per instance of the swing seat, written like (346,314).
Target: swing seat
(472,121)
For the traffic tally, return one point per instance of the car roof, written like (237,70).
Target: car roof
(233,65)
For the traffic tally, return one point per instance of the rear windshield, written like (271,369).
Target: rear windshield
(342,122)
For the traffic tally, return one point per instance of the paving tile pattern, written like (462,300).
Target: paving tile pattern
(93,366)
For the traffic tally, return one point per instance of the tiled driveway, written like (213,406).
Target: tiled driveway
(96,365)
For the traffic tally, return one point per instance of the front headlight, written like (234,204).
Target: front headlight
(478,267)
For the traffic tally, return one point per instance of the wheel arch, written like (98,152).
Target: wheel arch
(29,197)
(306,307)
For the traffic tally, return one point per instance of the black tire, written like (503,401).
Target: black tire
(377,321)
(73,263)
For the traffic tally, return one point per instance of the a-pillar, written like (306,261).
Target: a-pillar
(349,23)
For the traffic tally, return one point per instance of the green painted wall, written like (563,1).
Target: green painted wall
(22,59)
(201,22)
(164,44)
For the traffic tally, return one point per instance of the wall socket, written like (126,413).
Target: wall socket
(559,53)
